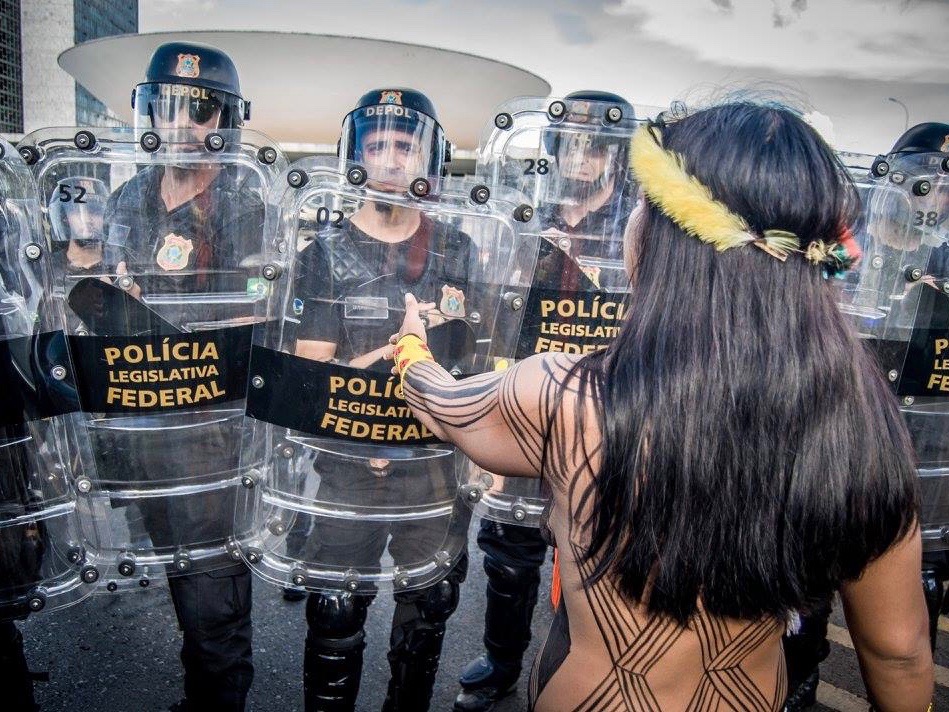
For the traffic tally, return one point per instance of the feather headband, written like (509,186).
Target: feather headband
(689,203)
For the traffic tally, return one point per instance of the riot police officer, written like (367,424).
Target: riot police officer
(361,266)
(919,162)
(582,214)
(182,228)
(902,226)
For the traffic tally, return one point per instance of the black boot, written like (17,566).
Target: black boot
(804,695)
(16,681)
(415,646)
(511,597)
(332,660)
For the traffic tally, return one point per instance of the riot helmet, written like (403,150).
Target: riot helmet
(188,85)
(929,137)
(76,211)
(395,135)
(589,141)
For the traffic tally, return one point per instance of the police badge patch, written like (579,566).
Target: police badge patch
(452,303)
(174,253)
(945,145)
(188,66)
(391,97)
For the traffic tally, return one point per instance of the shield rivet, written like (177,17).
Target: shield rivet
(58,372)
(33,251)
(357,175)
(297,178)
(257,382)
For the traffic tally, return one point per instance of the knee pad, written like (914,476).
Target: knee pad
(510,580)
(439,601)
(337,615)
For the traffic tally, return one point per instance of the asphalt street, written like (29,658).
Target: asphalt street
(120,653)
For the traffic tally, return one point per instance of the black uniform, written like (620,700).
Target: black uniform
(224,224)
(345,275)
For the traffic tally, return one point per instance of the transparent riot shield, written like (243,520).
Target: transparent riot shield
(899,299)
(566,285)
(47,559)
(158,242)
(344,489)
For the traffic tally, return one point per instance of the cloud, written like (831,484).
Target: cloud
(874,39)
(573,28)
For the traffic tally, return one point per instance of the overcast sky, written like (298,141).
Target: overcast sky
(842,58)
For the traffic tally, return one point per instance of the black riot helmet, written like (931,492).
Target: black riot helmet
(589,121)
(184,76)
(409,118)
(930,137)
(922,149)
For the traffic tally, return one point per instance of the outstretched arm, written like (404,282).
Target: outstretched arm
(498,419)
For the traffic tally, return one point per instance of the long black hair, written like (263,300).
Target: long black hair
(753,456)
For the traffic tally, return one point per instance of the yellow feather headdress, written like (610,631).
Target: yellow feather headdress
(691,205)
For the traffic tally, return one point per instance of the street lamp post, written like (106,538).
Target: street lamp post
(905,111)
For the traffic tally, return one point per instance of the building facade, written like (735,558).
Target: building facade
(11,79)
(94,19)
(34,90)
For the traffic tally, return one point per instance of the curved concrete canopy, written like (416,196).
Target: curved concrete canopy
(302,85)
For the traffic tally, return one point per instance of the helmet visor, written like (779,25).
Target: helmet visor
(395,144)
(587,157)
(183,106)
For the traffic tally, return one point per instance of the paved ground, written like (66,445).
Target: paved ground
(119,653)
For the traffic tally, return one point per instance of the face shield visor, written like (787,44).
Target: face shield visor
(395,144)
(183,106)
(920,217)
(587,163)
(77,212)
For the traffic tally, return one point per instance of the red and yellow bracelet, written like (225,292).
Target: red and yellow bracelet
(408,350)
